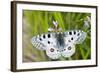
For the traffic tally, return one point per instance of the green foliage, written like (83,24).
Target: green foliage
(37,22)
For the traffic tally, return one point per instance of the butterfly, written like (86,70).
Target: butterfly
(59,44)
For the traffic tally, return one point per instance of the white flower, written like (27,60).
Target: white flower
(88,19)
(87,22)
(55,28)
(55,23)
(50,29)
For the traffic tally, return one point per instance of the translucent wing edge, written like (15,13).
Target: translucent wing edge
(81,38)
(37,44)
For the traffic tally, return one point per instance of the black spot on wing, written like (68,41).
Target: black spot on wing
(44,36)
(49,36)
(69,41)
(52,50)
(69,48)
(71,38)
(48,42)
(40,39)
(70,33)
(74,32)
(78,34)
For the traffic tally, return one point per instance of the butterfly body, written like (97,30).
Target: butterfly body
(58,44)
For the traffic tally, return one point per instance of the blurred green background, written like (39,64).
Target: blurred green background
(38,22)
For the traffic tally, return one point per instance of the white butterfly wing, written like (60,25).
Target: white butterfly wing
(53,53)
(46,42)
(71,38)
(37,43)
(68,50)
(75,36)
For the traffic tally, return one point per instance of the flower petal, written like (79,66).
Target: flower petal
(55,23)
(86,24)
(50,29)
